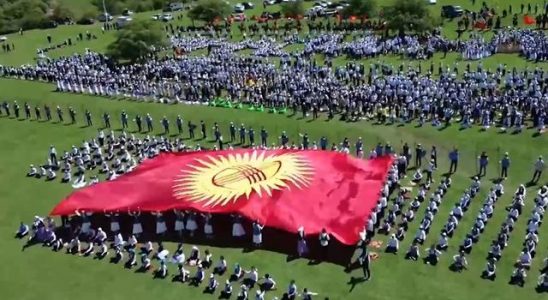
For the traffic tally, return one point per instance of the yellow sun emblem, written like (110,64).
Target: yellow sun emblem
(217,180)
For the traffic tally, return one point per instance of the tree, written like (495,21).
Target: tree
(293,9)
(409,15)
(61,13)
(209,11)
(137,40)
(359,8)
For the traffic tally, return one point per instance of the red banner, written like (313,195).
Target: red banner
(284,189)
(528,20)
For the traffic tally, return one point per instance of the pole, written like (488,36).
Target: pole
(105,10)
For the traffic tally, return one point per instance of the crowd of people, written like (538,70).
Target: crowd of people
(90,241)
(509,99)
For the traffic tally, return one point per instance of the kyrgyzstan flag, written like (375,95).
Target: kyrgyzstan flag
(528,20)
(284,189)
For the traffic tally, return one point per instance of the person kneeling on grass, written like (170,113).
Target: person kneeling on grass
(227,291)
(251,279)
(145,261)
(459,262)
(237,273)
(194,257)
(208,260)
(518,276)
(103,250)
(525,259)
(57,245)
(50,174)
(212,284)
(22,231)
(74,246)
(88,250)
(490,270)
(413,253)
(221,266)
(542,283)
(393,245)
(243,294)
(32,171)
(66,176)
(432,256)
(162,271)
(268,283)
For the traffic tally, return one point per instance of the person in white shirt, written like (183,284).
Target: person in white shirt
(259,295)
(539,167)
(324,244)
(459,262)
(74,246)
(413,253)
(292,290)
(442,242)
(518,276)
(525,259)
(268,283)
(226,293)
(251,279)
(32,171)
(420,236)
(542,283)
(393,245)
(490,270)
(66,176)
(432,255)
(50,174)
(221,266)
(212,284)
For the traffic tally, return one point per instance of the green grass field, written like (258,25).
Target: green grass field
(38,273)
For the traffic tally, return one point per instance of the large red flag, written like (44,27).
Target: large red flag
(284,189)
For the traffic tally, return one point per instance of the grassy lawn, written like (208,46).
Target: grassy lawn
(37,273)
(26,142)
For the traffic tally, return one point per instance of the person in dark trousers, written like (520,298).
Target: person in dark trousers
(148,120)
(16,109)
(483,161)
(179,122)
(419,153)
(203,129)
(89,122)
(504,165)
(124,117)
(165,124)
(454,159)
(232,132)
(27,111)
(139,123)
(72,114)
(365,261)
(106,119)
(37,113)
(47,109)
(60,114)
(191,128)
